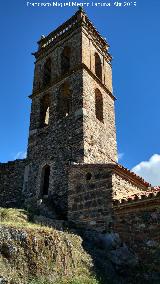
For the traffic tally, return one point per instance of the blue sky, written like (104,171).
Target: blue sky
(133,35)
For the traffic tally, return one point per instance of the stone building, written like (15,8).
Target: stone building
(72,153)
(72,114)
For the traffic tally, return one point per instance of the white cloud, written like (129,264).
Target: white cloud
(149,170)
(20,155)
(120,156)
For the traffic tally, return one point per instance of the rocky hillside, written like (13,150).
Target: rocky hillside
(37,254)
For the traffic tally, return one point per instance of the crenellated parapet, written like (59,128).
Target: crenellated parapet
(149,196)
(46,41)
(145,193)
(78,20)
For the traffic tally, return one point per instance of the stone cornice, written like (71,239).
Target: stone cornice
(79,19)
(43,51)
(46,51)
(98,81)
(61,78)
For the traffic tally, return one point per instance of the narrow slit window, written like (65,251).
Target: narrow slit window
(98,105)
(65,60)
(65,101)
(47,73)
(45,180)
(98,66)
(44,112)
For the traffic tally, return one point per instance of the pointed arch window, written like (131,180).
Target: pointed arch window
(65,60)
(45,180)
(45,109)
(98,105)
(98,66)
(65,101)
(47,73)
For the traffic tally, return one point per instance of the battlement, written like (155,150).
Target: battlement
(138,198)
(56,34)
(79,19)
(150,192)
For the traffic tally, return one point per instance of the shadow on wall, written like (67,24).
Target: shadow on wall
(90,196)
(11,183)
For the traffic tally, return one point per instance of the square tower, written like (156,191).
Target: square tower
(72,113)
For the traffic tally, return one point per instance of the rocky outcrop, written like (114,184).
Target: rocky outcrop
(36,252)
(114,261)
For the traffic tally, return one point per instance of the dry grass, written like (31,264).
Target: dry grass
(67,280)
(40,253)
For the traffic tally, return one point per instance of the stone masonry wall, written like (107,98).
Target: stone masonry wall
(62,140)
(54,53)
(90,196)
(11,183)
(99,137)
(138,224)
(89,47)
(94,189)
(74,41)
(57,143)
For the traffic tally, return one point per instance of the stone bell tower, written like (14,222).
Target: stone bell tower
(72,112)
